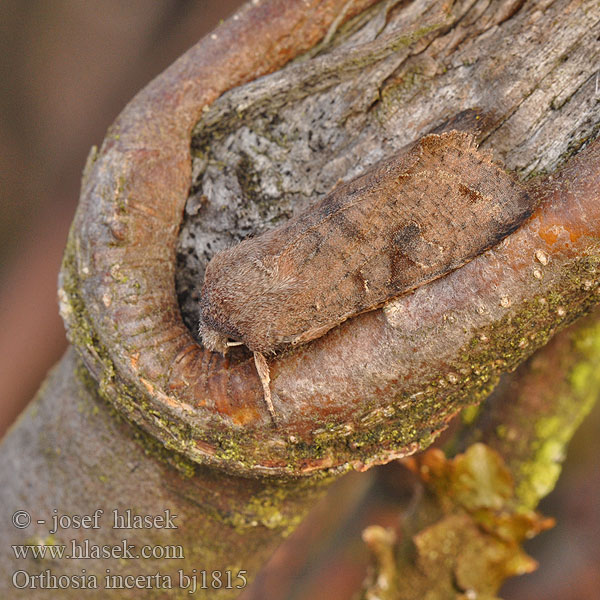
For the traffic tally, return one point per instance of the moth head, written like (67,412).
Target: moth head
(214,340)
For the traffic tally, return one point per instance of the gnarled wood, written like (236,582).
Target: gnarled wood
(381,384)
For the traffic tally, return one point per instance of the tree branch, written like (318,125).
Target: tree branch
(383,384)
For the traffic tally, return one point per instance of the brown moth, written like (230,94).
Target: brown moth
(406,221)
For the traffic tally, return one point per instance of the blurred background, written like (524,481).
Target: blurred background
(67,69)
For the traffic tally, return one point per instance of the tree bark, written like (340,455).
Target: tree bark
(72,454)
(382,385)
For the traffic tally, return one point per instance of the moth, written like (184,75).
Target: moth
(404,222)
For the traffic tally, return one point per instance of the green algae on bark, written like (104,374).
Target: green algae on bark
(531,419)
(73,455)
